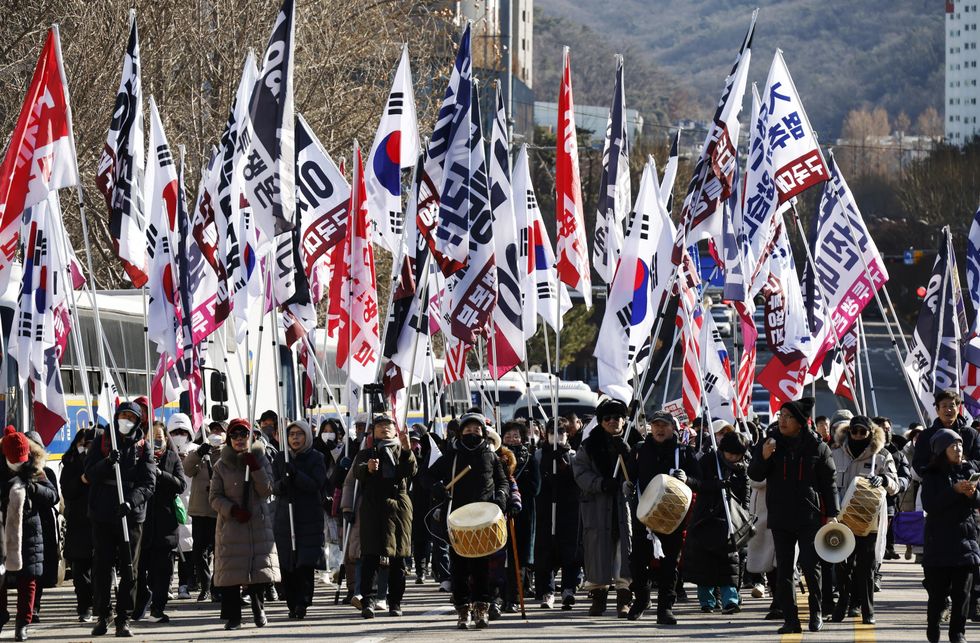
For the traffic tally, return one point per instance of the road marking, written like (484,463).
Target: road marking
(804,612)
(863,633)
(439,611)
(370,639)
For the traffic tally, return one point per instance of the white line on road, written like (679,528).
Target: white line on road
(439,611)
(370,639)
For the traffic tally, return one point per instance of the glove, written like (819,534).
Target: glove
(513,509)
(204,450)
(252,462)
(875,481)
(501,499)
(439,492)
(628,488)
(621,447)
(345,463)
(113,457)
(608,485)
(679,474)
(241,515)
(124,510)
(348,517)
(290,469)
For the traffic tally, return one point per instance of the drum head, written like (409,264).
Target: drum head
(651,495)
(475,515)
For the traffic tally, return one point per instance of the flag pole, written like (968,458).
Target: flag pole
(127,562)
(421,295)
(326,384)
(670,365)
(859,370)
(867,361)
(496,376)
(146,356)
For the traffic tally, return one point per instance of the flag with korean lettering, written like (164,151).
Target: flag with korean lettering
(162,193)
(443,213)
(239,240)
(120,172)
(539,281)
(206,277)
(842,366)
(396,146)
(571,245)
(473,290)
(745,376)
(787,334)
(358,343)
(269,163)
(40,154)
(716,372)
(973,271)
(940,329)
(970,382)
(509,348)
(629,316)
(797,162)
(714,173)
(690,320)
(614,187)
(844,255)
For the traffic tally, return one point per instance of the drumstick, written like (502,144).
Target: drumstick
(459,475)
(517,567)
(622,466)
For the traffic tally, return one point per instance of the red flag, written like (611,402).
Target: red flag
(40,157)
(572,249)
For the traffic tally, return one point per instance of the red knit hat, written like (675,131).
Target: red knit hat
(15,446)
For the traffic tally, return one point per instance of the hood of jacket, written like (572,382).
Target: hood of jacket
(235,459)
(874,446)
(307,431)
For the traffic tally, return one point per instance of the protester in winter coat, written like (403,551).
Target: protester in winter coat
(78,530)
(298,483)
(861,453)
(710,560)
(245,547)
(198,465)
(51,532)
(948,407)
(951,552)
(329,443)
(138,474)
(384,471)
(421,495)
(659,453)
(528,479)
(181,435)
(159,530)
(485,482)
(604,510)
(26,493)
(562,549)
(801,491)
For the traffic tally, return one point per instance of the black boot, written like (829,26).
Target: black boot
(20,634)
(623,599)
(790,627)
(641,601)
(258,612)
(101,627)
(599,598)
(122,629)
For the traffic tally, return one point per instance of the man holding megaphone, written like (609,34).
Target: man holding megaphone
(801,490)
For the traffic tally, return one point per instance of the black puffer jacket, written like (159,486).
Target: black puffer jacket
(78,529)
(558,487)
(801,481)
(303,489)
(41,496)
(923,450)
(951,524)
(708,558)
(651,458)
(52,535)
(138,477)
(486,481)
(160,525)
(528,479)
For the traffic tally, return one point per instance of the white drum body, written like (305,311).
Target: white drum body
(859,511)
(477,529)
(664,504)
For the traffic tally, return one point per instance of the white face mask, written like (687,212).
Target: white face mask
(328,437)
(216,440)
(125,426)
(179,441)
(82,449)
(14,466)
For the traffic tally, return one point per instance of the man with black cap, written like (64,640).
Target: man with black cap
(604,510)
(801,490)
(485,482)
(269,424)
(385,471)
(948,406)
(659,453)
(137,469)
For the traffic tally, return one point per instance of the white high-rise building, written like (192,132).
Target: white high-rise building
(962,102)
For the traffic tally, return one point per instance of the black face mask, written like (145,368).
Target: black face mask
(858,446)
(471,441)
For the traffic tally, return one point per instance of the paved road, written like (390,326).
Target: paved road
(428,617)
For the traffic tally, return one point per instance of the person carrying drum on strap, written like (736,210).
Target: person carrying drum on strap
(659,453)
(485,482)
(801,489)
(862,453)
(604,510)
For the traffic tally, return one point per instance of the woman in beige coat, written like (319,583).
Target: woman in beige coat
(245,547)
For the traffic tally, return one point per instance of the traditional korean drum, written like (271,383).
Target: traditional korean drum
(477,529)
(664,504)
(859,511)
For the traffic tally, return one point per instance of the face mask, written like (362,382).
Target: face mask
(125,426)
(179,441)
(471,441)
(82,449)
(14,466)
(328,437)
(215,440)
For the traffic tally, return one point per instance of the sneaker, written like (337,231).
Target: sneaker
(419,580)
(445,587)
(567,599)
(355,602)
(157,616)
(101,627)
(494,613)
(234,624)
(731,608)
(86,616)
(382,605)
(183,593)
(394,609)
(758,590)
(123,631)
(548,601)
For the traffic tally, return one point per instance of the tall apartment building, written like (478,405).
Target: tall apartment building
(962,104)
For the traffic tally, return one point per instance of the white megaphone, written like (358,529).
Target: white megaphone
(834,542)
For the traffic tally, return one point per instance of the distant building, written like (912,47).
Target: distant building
(962,71)
(588,117)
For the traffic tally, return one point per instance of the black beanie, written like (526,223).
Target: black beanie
(801,409)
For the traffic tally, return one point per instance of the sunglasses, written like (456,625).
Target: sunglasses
(858,431)
(614,417)
(238,435)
